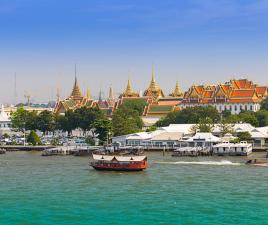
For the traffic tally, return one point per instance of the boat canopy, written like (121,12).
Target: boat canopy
(119,158)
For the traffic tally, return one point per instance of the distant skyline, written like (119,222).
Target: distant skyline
(192,41)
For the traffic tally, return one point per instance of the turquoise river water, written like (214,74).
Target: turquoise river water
(64,190)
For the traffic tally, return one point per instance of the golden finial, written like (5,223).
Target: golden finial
(111,94)
(177,91)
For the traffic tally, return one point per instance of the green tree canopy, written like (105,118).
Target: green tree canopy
(262,117)
(264,104)
(33,138)
(22,119)
(103,128)
(190,115)
(87,116)
(249,117)
(126,121)
(244,136)
(135,104)
(46,121)
(204,125)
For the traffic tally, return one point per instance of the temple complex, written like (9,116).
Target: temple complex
(235,95)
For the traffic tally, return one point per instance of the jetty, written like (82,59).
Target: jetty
(25,147)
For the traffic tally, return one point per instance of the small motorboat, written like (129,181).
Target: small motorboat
(257,162)
(119,163)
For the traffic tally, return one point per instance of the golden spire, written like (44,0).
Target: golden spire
(58,94)
(153,83)
(154,90)
(177,91)
(129,92)
(111,94)
(129,88)
(76,92)
(88,93)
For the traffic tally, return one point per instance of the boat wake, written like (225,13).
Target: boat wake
(214,163)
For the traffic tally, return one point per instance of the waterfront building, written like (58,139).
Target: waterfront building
(176,134)
(75,100)
(5,123)
(233,149)
(235,96)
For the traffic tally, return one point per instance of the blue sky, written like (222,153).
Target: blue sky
(192,41)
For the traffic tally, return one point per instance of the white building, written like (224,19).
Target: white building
(240,149)
(5,123)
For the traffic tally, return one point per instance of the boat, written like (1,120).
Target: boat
(119,163)
(256,162)
(2,151)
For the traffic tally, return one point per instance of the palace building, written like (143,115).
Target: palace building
(235,95)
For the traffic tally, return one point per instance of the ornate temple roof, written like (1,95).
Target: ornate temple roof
(154,89)
(129,91)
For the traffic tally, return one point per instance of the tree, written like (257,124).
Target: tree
(244,136)
(65,123)
(135,104)
(226,114)
(264,104)
(126,121)
(205,125)
(103,128)
(87,116)
(46,121)
(262,117)
(190,115)
(226,127)
(33,138)
(249,117)
(24,120)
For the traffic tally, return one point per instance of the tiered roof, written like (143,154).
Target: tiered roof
(234,91)
(75,100)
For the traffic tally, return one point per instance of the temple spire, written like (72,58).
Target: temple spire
(153,77)
(129,91)
(88,93)
(177,91)
(111,94)
(153,90)
(76,92)
(100,96)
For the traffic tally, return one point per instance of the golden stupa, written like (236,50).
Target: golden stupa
(177,91)
(129,92)
(76,92)
(154,89)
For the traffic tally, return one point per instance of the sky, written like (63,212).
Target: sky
(192,41)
